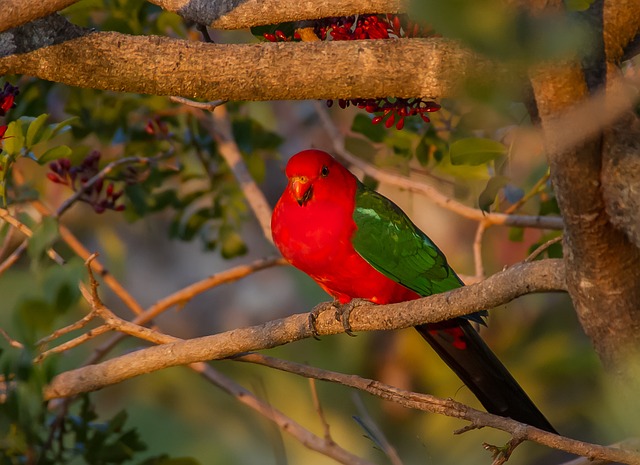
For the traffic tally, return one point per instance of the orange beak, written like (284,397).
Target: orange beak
(301,189)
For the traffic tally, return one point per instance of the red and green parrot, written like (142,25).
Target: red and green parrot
(357,244)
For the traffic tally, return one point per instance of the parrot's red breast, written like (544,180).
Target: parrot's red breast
(313,225)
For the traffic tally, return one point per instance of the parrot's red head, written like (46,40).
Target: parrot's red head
(314,173)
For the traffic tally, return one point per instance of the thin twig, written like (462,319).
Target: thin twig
(286,424)
(230,151)
(318,406)
(6,242)
(81,251)
(449,407)
(187,293)
(207,106)
(14,257)
(626,444)
(542,222)
(541,248)
(118,289)
(101,175)
(12,342)
(379,437)
(75,342)
(220,130)
(179,297)
(6,216)
(502,454)
(532,193)
(114,322)
(477,249)
(522,278)
(81,323)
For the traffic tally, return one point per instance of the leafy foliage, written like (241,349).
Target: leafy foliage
(34,434)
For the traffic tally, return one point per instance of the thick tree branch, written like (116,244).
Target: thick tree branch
(42,32)
(267,71)
(520,279)
(18,12)
(238,14)
(601,260)
(220,14)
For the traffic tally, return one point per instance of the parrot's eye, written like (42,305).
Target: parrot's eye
(324,172)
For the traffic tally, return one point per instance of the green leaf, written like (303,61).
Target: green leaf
(44,235)
(62,126)
(578,5)
(251,135)
(37,316)
(360,147)
(190,228)
(60,285)
(516,234)
(55,153)
(117,422)
(256,166)
(488,195)
(475,151)
(13,138)
(35,130)
(401,142)
(430,145)
(363,125)
(549,207)
(232,244)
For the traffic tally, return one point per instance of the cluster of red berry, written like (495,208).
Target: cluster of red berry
(7,101)
(76,177)
(392,111)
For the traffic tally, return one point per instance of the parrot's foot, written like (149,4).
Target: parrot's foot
(315,313)
(343,311)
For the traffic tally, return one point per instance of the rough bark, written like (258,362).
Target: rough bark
(18,12)
(520,279)
(603,264)
(221,14)
(267,71)
(621,176)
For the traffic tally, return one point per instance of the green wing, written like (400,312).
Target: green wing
(393,245)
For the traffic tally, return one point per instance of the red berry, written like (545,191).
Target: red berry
(396,23)
(53,178)
(7,102)
(390,121)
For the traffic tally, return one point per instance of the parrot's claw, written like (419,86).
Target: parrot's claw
(315,313)
(343,311)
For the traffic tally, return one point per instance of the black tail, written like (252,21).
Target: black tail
(462,348)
